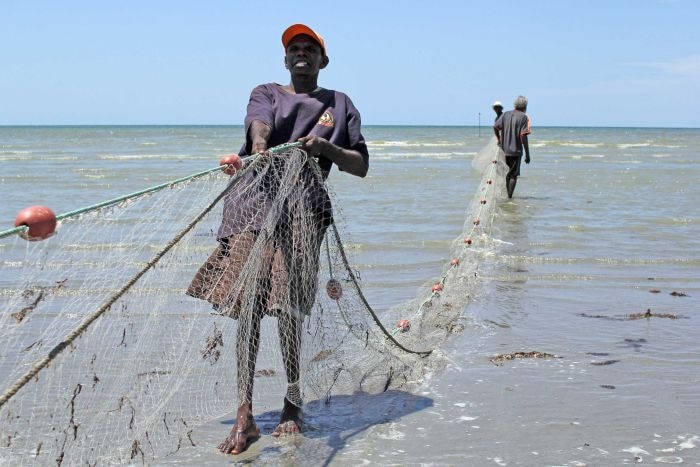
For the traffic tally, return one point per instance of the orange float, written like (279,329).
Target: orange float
(404,325)
(334,289)
(40,220)
(231,163)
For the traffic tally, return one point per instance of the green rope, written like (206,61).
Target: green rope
(110,202)
(82,327)
(68,340)
(41,364)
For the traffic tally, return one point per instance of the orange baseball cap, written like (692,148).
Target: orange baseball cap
(296,29)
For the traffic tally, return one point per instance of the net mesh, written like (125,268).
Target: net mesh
(138,321)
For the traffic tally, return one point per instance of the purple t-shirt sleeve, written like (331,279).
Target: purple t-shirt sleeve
(354,122)
(260,107)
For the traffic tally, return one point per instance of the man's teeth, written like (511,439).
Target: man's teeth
(300,64)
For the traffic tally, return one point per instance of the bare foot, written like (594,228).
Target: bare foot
(290,421)
(244,432)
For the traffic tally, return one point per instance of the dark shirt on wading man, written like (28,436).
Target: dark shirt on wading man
(325,113)
(513,125)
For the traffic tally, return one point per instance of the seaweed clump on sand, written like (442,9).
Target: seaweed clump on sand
(211,349)
(673,294)
(499,359)
(649,314)
(611,318)
(605,362)
(36,295)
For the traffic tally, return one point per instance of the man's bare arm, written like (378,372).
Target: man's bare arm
(348,160)
(526,147)
(258,134)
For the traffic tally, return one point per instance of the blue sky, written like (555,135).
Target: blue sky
(580,63)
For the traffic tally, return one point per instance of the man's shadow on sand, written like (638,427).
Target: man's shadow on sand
(328,425)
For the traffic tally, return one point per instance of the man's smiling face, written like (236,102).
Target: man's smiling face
(304,56)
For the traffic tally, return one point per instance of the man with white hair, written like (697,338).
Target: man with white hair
(514,127)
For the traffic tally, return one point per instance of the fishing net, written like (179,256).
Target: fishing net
(437,310)
(135,321)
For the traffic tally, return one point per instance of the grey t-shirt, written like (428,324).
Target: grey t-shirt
(513,125)
(325,113)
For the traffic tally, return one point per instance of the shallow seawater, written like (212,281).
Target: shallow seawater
(603,226)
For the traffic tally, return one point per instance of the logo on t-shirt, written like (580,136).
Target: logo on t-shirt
(327,119)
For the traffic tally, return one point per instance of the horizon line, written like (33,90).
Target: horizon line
(364,125)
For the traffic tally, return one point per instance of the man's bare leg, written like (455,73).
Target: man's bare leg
(245,430)
(510,183)
(289,329)
(290,421)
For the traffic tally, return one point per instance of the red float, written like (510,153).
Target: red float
(334,289)
(231,163)
(454,262)
(437,288)
(404,325)
(40,220)
(468,241)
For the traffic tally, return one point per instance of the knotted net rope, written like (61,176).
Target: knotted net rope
(135,322)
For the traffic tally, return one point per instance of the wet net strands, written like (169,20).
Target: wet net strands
(129,326)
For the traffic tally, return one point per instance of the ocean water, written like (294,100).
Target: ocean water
(604,224)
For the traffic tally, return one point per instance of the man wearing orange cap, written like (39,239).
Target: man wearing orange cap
(329,126)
